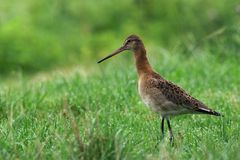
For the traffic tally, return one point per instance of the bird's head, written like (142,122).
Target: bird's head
(132,42)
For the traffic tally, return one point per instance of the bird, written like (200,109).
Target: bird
(160,95)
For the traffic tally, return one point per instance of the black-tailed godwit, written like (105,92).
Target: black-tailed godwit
(158,94)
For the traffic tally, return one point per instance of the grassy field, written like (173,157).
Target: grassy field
(94,112)
(56,102)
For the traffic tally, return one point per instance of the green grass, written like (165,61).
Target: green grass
(52,109)
(42,116)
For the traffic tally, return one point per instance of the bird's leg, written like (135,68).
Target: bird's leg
(162,126)
(170,131)
(162,130)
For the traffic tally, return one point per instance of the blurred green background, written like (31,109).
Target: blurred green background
(46,34)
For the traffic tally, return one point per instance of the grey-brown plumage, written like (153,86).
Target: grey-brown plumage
(169,99)
(157,93)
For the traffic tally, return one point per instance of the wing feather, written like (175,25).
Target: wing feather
(180,97)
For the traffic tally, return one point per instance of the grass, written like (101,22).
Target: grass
(95,112)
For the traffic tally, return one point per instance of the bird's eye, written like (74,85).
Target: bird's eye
(126,42)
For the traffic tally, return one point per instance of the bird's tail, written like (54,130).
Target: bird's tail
(208,111)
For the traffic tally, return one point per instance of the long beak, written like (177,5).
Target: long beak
(123,48)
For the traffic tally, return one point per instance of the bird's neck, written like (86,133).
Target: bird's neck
(142,63)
